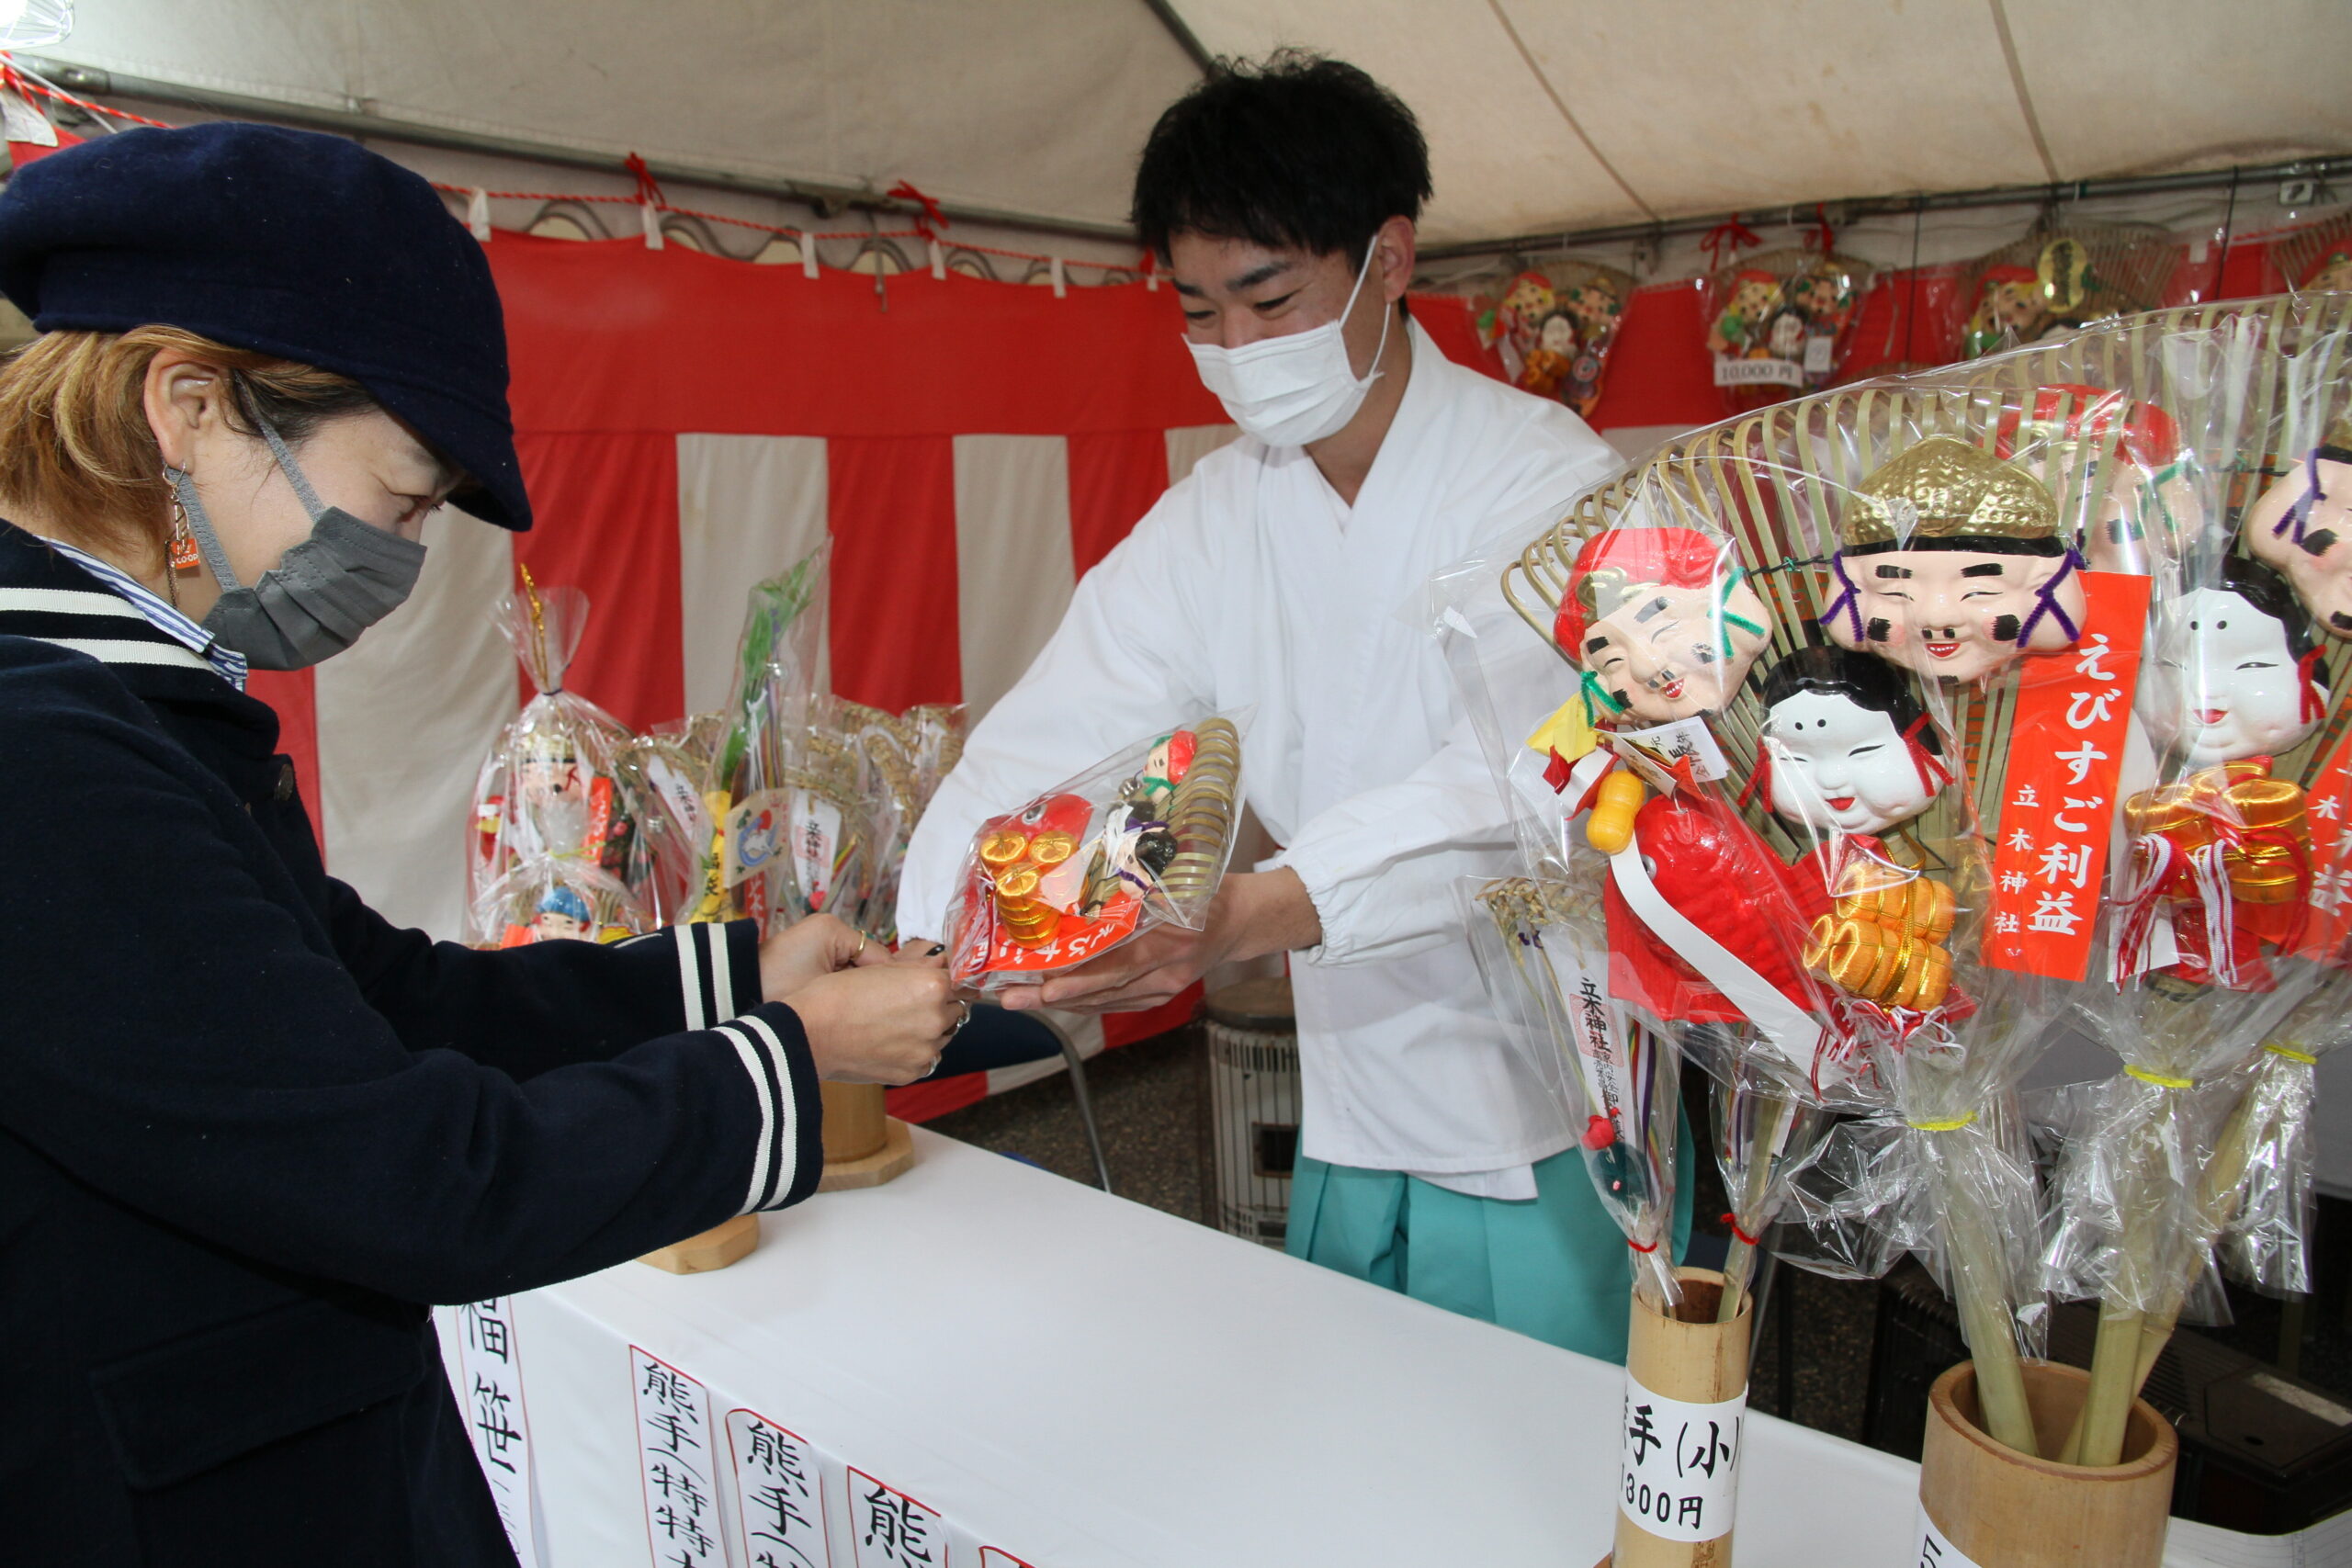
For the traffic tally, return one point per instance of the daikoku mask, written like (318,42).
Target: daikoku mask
(1295,389)
(316,600)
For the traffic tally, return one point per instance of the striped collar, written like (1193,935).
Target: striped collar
(208,651)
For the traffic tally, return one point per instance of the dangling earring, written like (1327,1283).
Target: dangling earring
(183,555)
(180,553)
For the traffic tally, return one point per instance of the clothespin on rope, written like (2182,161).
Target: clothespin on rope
(938,260)
(478,214)
(1152,271)
(648,199)
(807,254)
(1061,281)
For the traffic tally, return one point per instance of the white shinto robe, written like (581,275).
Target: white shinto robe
(1251,585)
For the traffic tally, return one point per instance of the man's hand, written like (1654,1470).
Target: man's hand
(1255,913)
(811,948)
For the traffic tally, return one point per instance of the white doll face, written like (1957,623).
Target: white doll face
(2223,683)
(1839,764)
(1956,613)
(1559,335)
(1660,653)
(2319,565)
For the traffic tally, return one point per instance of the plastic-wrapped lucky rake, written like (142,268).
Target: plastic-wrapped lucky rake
(1918,553)
(2224,924)
(555,817)
(902,758)
(1139,840)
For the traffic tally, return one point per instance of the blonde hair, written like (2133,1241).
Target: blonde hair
(75,441)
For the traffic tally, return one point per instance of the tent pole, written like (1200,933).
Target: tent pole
(1179,29)
(827,199)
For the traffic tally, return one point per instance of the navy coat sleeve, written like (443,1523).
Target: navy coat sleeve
(183,1036)
(526,1009)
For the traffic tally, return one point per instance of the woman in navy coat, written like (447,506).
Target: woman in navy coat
(248,1129)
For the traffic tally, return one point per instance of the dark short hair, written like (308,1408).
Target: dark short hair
(1862,679)
(2261,586)
(1297,152)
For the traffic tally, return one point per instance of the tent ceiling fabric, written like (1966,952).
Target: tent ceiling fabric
(1036,105)
(1542,114)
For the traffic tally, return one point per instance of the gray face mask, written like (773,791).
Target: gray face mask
(315,603)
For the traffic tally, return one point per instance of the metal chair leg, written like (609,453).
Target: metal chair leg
(1077,1066)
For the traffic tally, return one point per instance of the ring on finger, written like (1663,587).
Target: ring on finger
(963,1019)
(862,939)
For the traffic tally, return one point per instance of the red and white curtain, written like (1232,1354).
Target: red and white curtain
(689,425)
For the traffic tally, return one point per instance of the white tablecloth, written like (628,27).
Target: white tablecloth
(1077,1379)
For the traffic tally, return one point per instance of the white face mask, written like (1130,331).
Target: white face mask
(1295,389)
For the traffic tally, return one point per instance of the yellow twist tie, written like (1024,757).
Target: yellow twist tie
(2159,1079)
(2305,1058)
(1952,1125)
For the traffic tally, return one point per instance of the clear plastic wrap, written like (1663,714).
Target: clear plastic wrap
(1856,643)
(1781,324)
(2217,922)
(1543,957)
(903,757)
(1139,840)
(1555,327)
(2060,279)
(2262,1173)
(675,872)
(552,792)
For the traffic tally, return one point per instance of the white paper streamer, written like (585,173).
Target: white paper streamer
(678,1466)
(488,1368)
(1789,1029)
(779,1493)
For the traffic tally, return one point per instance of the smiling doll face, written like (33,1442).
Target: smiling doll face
(1839,764)
(2303,526)
(1956,612)
(1663,652)
(1847,747)
(2227,681)
(1951,564)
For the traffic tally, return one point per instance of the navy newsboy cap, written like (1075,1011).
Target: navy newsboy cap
(287,243)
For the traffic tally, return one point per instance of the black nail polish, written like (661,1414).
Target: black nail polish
(937,949)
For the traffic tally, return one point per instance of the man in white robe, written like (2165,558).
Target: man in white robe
(1278,578)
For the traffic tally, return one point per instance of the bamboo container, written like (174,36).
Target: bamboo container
(1688,1359)
(2000,1509)
(863,1145)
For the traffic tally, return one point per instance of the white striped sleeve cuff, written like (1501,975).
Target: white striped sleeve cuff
(789,1156)
(719,971)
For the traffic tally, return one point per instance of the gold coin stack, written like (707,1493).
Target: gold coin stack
(1883,940)
(1017,863)
(1202,815)
(2225,804)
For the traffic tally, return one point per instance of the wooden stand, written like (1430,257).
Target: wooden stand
(864,1148)
(713,1248)
(2002,1509)
(1693,1358)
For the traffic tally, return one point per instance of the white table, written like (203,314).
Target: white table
(1083,1381)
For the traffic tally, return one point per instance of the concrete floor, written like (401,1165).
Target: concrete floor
(1150,1100)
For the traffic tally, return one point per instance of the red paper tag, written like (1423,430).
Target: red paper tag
(2072,710)
(2326,806)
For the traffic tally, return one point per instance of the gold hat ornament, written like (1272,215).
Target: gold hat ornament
(1944,488)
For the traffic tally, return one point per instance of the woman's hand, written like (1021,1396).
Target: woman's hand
(882,1023)
(808,949)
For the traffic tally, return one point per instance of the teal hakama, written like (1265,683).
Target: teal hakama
(1554,1266)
